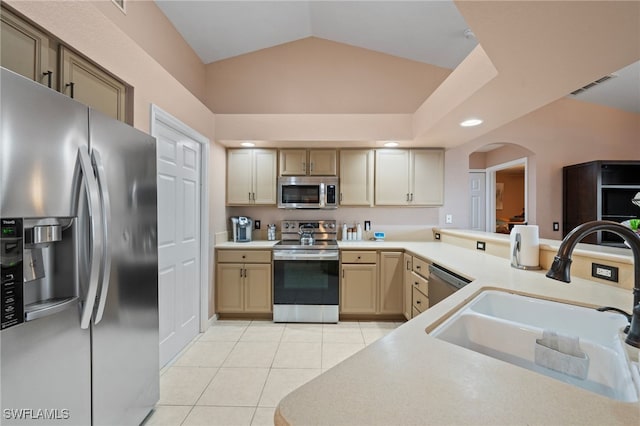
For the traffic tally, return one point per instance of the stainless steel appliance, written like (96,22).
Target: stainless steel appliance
(305,272)
(307,192)
(443,283)
(79,263)
(241,227)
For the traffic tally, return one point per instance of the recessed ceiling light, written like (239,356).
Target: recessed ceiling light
(248,144)
(471,122)
(391,144)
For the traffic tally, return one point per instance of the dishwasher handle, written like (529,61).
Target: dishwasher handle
(449,277)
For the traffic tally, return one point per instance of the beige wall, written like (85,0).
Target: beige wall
(313,75)
(564,132)
(148,27)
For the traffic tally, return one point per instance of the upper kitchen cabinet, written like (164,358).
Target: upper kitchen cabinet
(600,190)
(251,177)
(356,177)
(413,177)
(32,53)
(26,50)
(312,162)
(88,84)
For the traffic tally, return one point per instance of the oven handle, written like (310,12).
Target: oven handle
(306,256)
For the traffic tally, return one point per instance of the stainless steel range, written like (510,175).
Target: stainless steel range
(305,272)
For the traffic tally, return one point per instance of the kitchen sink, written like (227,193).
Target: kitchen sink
(577,345)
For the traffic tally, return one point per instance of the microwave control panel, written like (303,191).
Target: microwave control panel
(11,272)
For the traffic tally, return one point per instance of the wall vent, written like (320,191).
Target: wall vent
(594,84)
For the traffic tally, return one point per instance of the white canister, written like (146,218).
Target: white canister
(344,232)
(525,247)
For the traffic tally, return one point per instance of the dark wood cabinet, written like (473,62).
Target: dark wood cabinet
(600,190)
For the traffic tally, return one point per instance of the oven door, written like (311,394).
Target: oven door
(305,289)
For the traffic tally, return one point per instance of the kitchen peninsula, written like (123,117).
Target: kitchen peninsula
(409,377)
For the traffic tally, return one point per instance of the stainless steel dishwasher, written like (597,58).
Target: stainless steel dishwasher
(443,283)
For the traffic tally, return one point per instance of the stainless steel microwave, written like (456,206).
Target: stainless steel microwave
(307,192)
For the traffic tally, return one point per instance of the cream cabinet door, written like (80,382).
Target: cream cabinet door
(25,50)
(229,288)
(427,177)
(358,289)
(264,177)
(239,182)
(391,283)
(293,162)
(257,288)
(322,162)
(356,177)
(392,177)
(407,284)
(88,84)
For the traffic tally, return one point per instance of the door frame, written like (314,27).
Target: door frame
(491,190)
(158,115)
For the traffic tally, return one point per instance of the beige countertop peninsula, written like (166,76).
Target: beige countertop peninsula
(411,378)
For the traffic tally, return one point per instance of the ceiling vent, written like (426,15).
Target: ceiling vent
(594,84)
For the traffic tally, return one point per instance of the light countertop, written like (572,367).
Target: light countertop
(409,377)
(251,245)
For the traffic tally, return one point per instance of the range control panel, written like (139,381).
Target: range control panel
(11,272)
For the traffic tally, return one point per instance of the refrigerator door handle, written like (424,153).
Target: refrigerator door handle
(98,165)
(93,201)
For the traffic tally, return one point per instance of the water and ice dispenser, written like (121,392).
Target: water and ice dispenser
(38,263)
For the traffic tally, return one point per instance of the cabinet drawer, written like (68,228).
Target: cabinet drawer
(420,301)
(244,256)
(420,283)
(359,257)
(421,267)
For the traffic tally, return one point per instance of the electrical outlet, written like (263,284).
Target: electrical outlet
(556,226)
(448,218)
(480,245)
(437,236)
(256,224)
(367,225)
(605,272)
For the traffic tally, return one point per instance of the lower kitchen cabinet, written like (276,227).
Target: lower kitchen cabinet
(408,301)
(419,283)
(391,280)
(244,287)
(358,288)
(371,283)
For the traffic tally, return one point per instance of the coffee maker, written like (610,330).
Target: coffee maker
(242,227)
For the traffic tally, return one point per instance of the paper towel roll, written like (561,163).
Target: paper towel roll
(528,254)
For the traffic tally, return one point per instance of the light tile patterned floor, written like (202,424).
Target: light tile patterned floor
(238,371)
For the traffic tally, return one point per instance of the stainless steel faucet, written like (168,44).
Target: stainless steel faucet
(561,267)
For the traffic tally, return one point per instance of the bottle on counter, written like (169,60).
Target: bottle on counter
(359,232)
(344,232)
(349,234)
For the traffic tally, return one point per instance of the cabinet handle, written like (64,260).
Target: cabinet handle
(48,74)
(408,267)
(416,283)
(240,272)
(311,166)
(71,86)
(341,197)
(417,302)
(304,167)
(407,196)
(418,267)
(411,197)
(253,194)
(244,256)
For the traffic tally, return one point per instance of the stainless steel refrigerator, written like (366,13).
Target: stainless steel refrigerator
(78,248)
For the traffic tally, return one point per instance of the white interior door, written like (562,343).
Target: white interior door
(179,234)
(477,208)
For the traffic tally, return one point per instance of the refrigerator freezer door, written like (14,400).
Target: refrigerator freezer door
(41,133)
(45,364)
(126,341)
